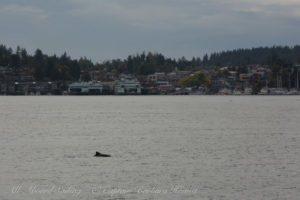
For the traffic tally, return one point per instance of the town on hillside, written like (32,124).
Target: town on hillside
(276,72)
(222,81)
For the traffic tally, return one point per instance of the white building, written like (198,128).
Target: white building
(91,88)
(128,85)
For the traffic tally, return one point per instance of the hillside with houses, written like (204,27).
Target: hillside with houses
(264,71)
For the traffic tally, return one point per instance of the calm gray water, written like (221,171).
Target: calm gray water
(162,147)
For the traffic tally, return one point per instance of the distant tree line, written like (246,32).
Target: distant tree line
(45,67)
(41,66)
(276,55)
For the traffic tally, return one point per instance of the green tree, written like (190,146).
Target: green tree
(39,64)
(205,60)
(195,80)
(24,57)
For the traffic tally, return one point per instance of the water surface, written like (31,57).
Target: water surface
(162,147)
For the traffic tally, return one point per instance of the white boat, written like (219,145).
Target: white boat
(237,92)
(248,91)
(264,91)
(278,91)
(225,91)
(293,92)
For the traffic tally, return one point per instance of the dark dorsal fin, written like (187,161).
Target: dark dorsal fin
(97,154)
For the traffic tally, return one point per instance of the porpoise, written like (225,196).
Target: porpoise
(97,154)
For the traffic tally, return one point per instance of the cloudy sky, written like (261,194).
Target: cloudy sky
(106,29)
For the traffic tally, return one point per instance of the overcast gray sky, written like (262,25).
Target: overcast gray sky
(106,29)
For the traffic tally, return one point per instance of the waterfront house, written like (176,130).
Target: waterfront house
(166,89)
(157,76)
